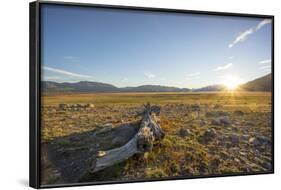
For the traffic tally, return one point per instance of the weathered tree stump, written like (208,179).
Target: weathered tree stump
(149,132)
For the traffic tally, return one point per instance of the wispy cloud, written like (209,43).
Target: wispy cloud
(262,23)
(244,35)
(149,75)
(265,65)
(224,67)
(60,71)
(267,61)
(241,37)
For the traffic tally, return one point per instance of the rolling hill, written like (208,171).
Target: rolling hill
(259,84)
(86,86)
(82,86)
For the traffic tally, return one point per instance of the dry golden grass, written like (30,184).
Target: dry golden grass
(249,113)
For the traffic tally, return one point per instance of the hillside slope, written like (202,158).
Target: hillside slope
(260,84)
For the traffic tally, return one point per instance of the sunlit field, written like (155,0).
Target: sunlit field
(206,134)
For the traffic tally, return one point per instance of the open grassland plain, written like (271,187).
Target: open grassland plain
(205,134)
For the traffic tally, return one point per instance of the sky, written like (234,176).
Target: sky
(132,48)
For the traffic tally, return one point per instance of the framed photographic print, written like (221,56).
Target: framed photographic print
(131,94)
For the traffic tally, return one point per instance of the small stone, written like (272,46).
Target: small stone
(217,106)
(221,121)
(225,120)
(216,113)
(91,105)
(236,160)
(259,141)
(243,153)
(239,112)
(208,136)
(184,132)
(248,169)
(62,106)
(203,122)
(215,162)
(267,165)
(195,107)
(263,140)
(211,114)
(245,137)
(216,122)
(234,139)
(252,139)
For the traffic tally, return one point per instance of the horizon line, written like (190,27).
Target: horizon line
(155,84)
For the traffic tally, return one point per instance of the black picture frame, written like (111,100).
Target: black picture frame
(35,90)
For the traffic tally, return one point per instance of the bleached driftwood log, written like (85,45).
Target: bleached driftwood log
(142,142)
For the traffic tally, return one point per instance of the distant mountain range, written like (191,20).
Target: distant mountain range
(86,86)
(259,84)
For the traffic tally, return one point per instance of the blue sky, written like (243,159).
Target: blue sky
(131,48)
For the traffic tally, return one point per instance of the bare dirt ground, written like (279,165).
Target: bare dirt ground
(206,134)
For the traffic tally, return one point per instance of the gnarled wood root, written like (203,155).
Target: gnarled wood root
(142,142)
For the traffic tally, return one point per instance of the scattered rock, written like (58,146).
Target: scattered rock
(236,160)
(225,120)
(242,153)
(267,165)
(80,106)
(221,121)
(62,106)
(259,141)
(239,112)
(252,139)
(229,128)
(234,139)
(174,168)
(264,140)
(208,136)
(184,132)
(216,121)
(216,113)
(217,106)
(195,107)
(245,137)
(215,163)
(249,123)
(247,169)
(237,123)
(203,122)
(75,107)
(90,105)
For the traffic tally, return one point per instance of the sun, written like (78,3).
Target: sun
(232,82)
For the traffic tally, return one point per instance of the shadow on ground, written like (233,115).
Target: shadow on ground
(67,159)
